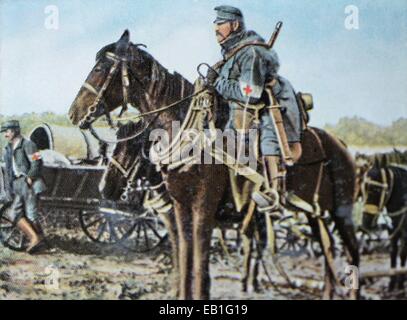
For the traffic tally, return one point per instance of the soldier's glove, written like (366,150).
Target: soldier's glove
(211,76)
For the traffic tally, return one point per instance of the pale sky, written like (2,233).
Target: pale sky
(350,72)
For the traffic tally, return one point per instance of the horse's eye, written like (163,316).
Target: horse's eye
(98,69)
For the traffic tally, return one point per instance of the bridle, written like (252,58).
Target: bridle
(121,63)
(386,187)
(93,108)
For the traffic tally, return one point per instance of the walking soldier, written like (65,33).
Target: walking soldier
(23,181)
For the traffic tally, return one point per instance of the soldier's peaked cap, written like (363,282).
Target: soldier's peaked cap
(227,13)
(10,124)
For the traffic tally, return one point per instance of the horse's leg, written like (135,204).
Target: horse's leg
(393,260)
(202,233)
(344,224)
(261,243)
(255,274)
(184,230)
(329,286)
(328,277)
(171,226)
(403,259)
(247,257)
(204,207)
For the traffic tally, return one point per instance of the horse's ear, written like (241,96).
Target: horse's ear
(125,36)
(123,43)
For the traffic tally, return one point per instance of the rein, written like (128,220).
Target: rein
(161,109)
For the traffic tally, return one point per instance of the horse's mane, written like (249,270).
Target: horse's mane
(127,129)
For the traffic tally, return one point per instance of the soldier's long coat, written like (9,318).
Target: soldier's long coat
(242,80)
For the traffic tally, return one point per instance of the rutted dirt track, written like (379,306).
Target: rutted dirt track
(87,271)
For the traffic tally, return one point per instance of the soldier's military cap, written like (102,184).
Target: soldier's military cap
(10,124)
(227,13)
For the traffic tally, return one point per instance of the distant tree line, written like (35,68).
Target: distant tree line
(355,131)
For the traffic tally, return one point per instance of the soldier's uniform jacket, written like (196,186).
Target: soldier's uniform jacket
(27,161)
(242,80)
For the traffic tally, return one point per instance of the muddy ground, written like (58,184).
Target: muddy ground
(76,268)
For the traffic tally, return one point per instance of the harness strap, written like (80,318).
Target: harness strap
(119,167)
(90,88)
(384,190)
(386,186)
(231,54)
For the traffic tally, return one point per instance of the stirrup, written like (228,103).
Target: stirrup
(266,202)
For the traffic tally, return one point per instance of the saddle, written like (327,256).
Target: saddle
(313,152)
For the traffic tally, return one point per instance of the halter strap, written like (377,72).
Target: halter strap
(90,88)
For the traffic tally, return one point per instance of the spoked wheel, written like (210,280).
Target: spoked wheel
(10,236)
(291,241)
(292,236)
(107,225)
(148,233)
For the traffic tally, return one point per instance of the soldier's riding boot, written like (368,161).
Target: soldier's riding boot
(269,199)
(24,225)
(276,176)
(272,164)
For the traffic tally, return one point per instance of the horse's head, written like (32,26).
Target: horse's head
(376,189)
(107,85)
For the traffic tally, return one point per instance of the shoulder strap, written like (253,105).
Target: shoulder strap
(231,54)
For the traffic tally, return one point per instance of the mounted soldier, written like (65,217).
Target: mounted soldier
(248,79)
(23,182)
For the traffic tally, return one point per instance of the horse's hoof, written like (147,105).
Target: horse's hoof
(244,288)
(355,295)
(327,295)
(257,289)
(392,286)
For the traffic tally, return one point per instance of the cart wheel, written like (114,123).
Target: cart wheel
(290,241)
(10,236)
(106,225)
(148,233)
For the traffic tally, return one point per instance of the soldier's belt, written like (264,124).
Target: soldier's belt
(250,107)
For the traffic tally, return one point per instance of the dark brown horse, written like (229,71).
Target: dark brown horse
(198,191)
(385,186)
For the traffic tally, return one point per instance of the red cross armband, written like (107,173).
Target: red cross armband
(35,156)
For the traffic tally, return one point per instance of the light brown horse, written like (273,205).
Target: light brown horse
(197,192)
